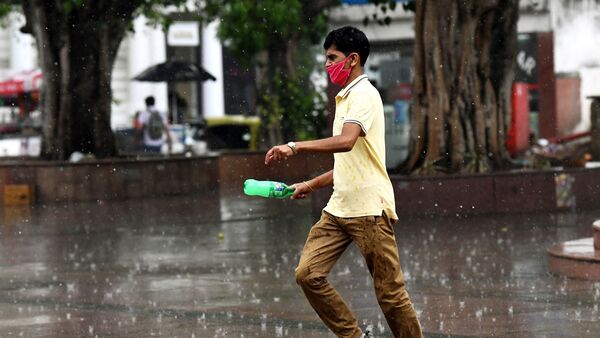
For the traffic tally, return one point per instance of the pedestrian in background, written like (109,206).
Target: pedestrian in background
(154,128)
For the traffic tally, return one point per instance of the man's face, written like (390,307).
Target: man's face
(332,55)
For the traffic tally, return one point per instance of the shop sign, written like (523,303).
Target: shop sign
(183,34)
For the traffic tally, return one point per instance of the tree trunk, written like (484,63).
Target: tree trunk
(595,128)
(464,58)
(275,72)
(281,58)
(77,48)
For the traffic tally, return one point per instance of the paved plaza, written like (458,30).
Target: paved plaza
(223,266)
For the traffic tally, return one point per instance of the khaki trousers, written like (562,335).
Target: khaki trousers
(374,236)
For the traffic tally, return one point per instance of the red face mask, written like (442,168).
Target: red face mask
(337,73)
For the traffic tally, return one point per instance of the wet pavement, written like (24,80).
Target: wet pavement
(223,266)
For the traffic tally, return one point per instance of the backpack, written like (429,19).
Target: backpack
(155,125)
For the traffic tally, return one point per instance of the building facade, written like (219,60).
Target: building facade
(559,60)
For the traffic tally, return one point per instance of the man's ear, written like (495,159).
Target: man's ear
(355,60)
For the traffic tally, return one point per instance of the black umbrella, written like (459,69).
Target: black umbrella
(174,71)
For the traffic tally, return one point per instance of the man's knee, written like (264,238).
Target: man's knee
(306,278)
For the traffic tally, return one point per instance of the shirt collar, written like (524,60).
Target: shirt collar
(344,92)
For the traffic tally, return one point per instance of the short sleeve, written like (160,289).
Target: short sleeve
(143,118)
(165,118)
(360,111)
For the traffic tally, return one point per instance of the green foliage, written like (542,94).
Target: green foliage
(70,5)
(251,25)
(306,114)
(249,28)
(7,6)
(4,9)
(153,10)
(385,6)
(295,103)
(410,6)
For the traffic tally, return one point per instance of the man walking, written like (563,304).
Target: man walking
(362,207)
(153,126)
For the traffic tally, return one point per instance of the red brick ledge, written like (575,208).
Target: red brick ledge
(502,192)
(127,178)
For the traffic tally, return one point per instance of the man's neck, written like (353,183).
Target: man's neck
(356,72)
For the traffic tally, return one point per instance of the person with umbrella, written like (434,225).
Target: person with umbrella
(171,72)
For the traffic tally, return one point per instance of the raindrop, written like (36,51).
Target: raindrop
(479,314)
(70,287)
(344,272)
(279,330)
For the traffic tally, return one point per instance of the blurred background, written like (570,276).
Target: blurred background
(558,43)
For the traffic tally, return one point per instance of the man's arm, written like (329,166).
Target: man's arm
(169,140)
(139,131)
(335,144)
(301,190)
(322,180)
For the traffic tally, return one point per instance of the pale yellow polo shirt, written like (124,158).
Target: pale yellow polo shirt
(361,185)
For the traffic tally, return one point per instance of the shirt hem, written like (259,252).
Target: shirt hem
(354,214)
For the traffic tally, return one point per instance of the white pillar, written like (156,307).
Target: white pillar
(213,101)
(22,48)
(146,48)
(158,54)
(590,86)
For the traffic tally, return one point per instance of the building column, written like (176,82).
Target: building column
(213,101)
(147,47)
(22,47)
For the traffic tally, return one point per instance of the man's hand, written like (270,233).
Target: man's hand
(301,191)
(278,153)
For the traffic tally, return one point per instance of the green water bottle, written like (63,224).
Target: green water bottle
(267,189)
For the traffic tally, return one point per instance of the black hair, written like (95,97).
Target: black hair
(150,101)
(348,40)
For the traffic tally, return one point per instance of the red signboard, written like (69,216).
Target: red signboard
(23,82)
